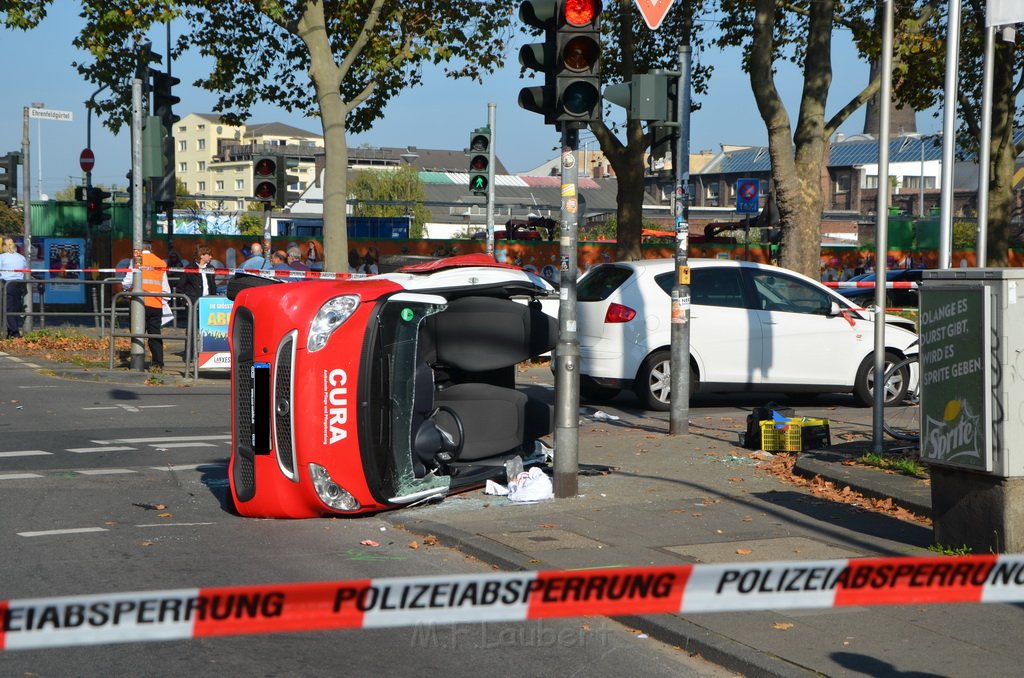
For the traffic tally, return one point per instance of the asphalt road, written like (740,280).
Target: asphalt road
(112,488)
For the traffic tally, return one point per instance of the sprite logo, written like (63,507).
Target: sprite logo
(956,438)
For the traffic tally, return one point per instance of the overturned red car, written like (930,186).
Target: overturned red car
(363,394)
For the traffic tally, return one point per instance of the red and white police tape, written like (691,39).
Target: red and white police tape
(266,273)
(507,597)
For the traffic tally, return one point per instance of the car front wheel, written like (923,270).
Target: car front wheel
(895,387)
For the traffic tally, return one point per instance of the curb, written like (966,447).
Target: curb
(876,484)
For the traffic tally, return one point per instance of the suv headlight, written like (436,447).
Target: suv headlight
(330,317)
(331,493)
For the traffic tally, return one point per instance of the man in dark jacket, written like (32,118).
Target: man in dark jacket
(201,284)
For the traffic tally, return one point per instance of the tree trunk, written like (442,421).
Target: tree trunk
(1001,198)
(326,77)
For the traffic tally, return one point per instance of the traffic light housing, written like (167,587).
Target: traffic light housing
(97,208)
(269,179)
(479,160)
(165,185)
(578,62)
(540,56)
(650,96)
(9,177)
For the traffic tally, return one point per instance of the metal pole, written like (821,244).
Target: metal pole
(567,352)
(26,207)
(138,307)
(491,123)
(920,186)
(882,228)
(985,147)
(949,133)
(679,357)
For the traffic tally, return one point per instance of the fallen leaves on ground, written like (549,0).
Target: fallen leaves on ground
(781,466)
(782,626)
(430,540)
(743,552)
(58,345)
(369,542)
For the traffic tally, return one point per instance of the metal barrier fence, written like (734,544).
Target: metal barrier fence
(102,312)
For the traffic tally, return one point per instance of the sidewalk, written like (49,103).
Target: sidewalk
(697,498)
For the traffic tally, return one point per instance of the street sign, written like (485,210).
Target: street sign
(747,194)
(87,160)
(654,11)
(49,114)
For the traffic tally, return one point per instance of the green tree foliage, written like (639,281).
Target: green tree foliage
(180,201)
(339,61)
(250,225)
(388,193)
(12,220)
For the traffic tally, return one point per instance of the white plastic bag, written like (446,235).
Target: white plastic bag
(532,485)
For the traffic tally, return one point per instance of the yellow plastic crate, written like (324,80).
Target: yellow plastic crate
(795,436)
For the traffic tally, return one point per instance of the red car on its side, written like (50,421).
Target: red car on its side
(363,394)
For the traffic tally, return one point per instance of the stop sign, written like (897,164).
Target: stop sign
(87,160)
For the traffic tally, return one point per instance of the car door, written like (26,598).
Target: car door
(725,333)
(802,343)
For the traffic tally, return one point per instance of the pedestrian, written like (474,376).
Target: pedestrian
(370,261)
(355,262)
(314,256)
(256,260)
(295,259)
(279,261)
(154,280)
(201,283)
(12,272)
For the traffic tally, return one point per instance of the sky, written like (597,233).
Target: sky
(438,115)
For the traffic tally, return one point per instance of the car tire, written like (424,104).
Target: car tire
(653,381)
(863,386)
(591,390)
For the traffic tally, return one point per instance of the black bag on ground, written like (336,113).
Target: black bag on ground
(752,438)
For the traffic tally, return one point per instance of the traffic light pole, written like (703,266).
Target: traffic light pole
(491,119)
(679,419)
(567,351)
(137,315)
(26,208)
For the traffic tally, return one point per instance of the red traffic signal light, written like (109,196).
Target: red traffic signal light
(264,171)
(578,62)
(581,12)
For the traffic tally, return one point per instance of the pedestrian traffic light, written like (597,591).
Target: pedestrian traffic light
(540,56)
(578,62)
(97,209)
(268,179)
(9,177)
(479,160)
(165,185)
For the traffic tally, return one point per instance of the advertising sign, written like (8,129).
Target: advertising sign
(62,256)
(956,379)
(214,316)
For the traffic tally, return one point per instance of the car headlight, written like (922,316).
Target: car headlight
(330,317)
(331,493)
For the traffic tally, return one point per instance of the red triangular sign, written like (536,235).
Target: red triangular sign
(654,11)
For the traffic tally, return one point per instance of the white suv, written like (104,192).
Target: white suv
(754,328)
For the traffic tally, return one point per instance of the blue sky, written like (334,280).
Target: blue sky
(439,114)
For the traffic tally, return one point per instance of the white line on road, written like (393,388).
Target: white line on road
(49,533)
(171,439)
(18,476)
(173,524)
(80,450)
(24,453)
(128,408)
(201,468)
(103,471)
(167,446)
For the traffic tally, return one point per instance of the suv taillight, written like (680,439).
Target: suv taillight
(617,313)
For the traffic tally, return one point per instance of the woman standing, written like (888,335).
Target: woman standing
(14,282)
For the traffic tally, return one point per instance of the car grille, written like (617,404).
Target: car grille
(283,407)
(244,475)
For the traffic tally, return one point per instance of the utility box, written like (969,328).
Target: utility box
(972,421)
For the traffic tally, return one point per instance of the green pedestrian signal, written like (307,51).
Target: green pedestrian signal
(479,160)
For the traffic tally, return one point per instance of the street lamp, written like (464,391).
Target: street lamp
(39,151)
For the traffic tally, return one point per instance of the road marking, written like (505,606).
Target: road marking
(171,439)
(18,476)
(74,530)
(80,450)
(128,408)
(24,453)
(173,524)
(104,471)
(167,446)
(199,468)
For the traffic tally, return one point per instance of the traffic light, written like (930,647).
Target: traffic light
(165,186)
(9,177)
(650,96)
(479,160)
(97,209)
(578,62)
(269,179)
(540,57)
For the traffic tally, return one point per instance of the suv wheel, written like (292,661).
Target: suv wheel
(653,381)
(895,389)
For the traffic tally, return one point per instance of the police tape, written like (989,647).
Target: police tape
(507,597)
(851,284)
(265,273)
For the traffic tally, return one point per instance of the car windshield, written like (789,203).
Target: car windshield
(395,373)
